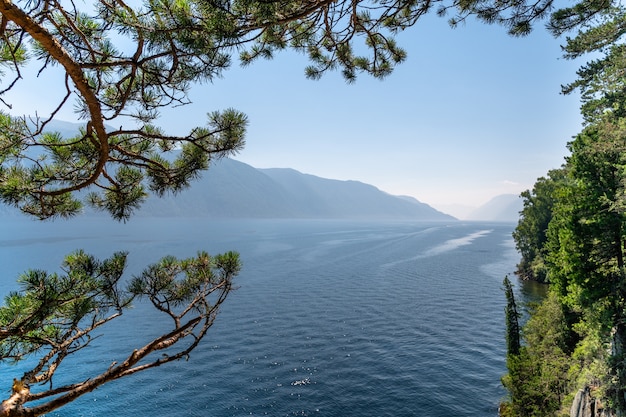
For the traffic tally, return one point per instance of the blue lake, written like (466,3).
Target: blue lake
(331,318)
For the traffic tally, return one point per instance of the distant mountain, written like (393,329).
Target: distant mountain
(237,190)
(234,189)
(460,211)
(231,189)
(502,208)
(6,211)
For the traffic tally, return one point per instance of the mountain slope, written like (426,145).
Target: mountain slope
(234,189)
(343,199)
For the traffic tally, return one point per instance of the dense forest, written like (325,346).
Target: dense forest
(572,236)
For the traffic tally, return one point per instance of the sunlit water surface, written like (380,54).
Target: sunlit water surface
(331,318)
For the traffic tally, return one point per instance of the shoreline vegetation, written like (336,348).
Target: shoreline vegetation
(571,238)
(571,235)
(546,377)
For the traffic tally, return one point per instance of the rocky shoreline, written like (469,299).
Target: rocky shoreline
(586,405)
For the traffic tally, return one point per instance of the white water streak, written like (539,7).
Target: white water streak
(447,246)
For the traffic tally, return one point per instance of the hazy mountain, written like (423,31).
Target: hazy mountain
(65,129)
(502,208)
(234,189)
(460,211)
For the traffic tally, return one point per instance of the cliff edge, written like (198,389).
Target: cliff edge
(586,405)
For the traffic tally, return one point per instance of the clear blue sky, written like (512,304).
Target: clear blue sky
(471,114)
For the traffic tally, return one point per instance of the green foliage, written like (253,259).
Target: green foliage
(583,252)
(512,320)
(46,185)
(530,235)
(538,377)
(601,25)
(161,285)
(516,16)
(587,234)
(54,316)
(589,360)
(583,249)
(48,309)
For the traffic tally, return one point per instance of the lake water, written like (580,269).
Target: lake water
(331,318)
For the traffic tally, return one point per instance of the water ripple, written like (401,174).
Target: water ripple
(330,319)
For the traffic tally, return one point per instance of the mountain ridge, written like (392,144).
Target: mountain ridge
(232,188)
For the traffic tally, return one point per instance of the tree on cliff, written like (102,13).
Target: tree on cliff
(586,239)
(576,336)
(584,247)
(512,317)
(538,377)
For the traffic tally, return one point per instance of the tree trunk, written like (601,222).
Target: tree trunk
(12,407)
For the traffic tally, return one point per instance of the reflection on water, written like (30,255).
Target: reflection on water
(533,291)
(530,293)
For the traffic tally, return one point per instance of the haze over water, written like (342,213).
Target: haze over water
(331,318)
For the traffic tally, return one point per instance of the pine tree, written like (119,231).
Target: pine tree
(512,320)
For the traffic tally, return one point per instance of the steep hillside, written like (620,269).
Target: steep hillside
(237,190)
(234,189)
(321,197)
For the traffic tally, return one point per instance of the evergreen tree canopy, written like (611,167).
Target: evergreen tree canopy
(530,235)
(512,320)
(54,315)
(583,253)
